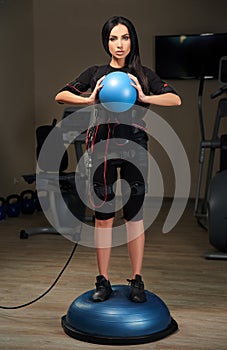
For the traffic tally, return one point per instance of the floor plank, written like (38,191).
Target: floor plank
(174,268)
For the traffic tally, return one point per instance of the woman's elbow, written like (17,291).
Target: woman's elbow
(178,100)
(58,98)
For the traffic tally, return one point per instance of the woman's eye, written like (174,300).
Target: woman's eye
(125,37)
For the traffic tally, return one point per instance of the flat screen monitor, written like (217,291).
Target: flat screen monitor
(189,56)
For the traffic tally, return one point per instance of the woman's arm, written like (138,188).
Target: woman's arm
(164,99)
(70,98)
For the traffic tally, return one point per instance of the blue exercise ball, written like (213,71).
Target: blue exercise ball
(117,93)
(118,320)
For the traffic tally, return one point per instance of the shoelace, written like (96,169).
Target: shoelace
(135,283)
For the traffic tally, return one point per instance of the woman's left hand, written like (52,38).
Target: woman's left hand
(137,86)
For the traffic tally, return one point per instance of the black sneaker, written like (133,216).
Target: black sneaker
(137,293)
(103,289)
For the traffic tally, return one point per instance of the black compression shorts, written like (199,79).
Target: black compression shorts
(104,185)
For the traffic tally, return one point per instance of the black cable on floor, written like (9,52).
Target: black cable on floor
(49,289)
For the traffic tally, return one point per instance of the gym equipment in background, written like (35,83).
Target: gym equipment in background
(28,205)
(117,94)
(13,205)
(217,215)
(2,208)
(52,178)
(211,210)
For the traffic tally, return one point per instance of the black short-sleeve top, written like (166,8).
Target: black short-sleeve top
(88,79)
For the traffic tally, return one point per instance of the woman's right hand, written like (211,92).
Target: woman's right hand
(69,97)
(92,99)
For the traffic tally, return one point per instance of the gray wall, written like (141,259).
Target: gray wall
(46,43)
(17,113)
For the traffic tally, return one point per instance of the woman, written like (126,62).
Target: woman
(121,44)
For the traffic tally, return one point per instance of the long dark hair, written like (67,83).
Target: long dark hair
(133,60)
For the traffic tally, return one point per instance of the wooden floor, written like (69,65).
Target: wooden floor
(175,269)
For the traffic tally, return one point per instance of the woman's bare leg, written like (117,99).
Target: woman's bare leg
(136,240)
(103,242)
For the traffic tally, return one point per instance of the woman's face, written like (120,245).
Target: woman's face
(119,42)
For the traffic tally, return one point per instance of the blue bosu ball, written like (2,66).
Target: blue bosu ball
(117,93)
(118,320)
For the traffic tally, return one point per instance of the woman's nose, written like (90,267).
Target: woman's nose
(119,44)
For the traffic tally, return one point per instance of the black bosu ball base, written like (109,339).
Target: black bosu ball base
(118,321)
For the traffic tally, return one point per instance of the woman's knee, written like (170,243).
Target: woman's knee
(104,223)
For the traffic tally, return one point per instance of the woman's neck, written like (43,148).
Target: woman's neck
(117,63)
